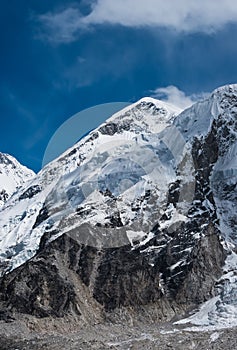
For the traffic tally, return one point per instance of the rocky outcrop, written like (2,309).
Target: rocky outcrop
(49,285)
(66,277)
(30,192)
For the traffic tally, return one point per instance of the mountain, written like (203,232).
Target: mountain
(125,136)
(137,221)
(12,176)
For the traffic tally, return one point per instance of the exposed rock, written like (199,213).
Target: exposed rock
(52,282)
(30,192)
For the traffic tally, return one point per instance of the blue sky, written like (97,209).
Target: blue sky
(60,57)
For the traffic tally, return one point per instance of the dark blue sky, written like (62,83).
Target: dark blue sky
(54,65)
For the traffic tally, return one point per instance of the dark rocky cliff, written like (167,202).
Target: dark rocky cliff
(57,279)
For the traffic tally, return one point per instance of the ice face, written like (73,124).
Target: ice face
(119,175)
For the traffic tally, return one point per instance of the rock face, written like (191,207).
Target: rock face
(53,282)
(132,218)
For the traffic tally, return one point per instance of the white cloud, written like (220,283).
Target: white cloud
(190,15)
(181,15)
(173,95)
(61,27)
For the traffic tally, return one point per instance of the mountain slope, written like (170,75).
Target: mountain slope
(24,215)
(134,215)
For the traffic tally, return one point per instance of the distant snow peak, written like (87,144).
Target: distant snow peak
(12,176)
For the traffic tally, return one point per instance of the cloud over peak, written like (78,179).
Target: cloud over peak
(176,97)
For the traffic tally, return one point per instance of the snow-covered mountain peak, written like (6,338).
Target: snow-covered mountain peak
(160,104)
(145,115)
(219,108)
(12,176)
